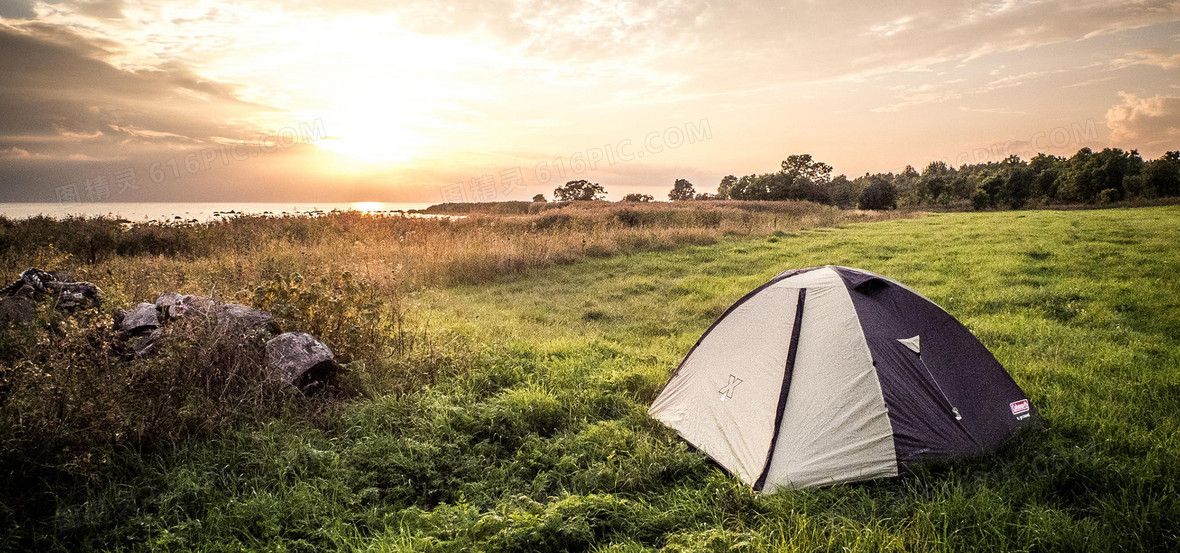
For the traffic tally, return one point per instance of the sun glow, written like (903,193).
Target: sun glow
(386,96)
(369,128)
(368,207)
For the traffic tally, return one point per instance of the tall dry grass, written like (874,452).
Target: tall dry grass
(136,263)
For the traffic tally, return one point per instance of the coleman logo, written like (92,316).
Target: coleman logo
(727,391)
(1019,407)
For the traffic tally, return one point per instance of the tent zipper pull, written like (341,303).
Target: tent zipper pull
(955,410)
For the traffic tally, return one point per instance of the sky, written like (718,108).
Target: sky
(410,101)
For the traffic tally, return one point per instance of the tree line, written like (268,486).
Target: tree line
(1087,177)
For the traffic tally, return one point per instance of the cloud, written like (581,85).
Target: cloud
(913,99)
(997,111)
(1010,81)
(1089,82)
(1145,123)
(110,79)
(892,27)
(58,90)
(1158,57)
(945,91)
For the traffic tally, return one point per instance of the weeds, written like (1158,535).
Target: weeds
(511,415)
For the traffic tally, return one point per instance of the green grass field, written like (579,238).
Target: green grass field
(532,433)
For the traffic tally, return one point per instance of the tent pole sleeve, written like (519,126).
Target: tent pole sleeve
(792,349)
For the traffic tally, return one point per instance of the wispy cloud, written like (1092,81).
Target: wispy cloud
(998,111)
(1158,57)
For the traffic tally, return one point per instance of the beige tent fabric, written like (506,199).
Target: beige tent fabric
(724,398)
(915,343)
(835,425)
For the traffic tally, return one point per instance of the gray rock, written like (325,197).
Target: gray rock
(192,306)
(74,294)
(299,359)
(139,319)
(240,319)
(32,277)
(147,344)
(69,294)
(18,310)
(166,302)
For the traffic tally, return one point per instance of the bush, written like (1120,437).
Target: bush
(70,391)
(1109,195)
(879,195)
(552,221)
(352,315)
(981,200)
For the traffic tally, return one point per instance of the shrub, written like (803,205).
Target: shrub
(981,200)
(354,316)
(552,221)
(879,195)
(1109,195)
(630,217)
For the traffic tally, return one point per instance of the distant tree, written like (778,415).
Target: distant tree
(750,187)
(1159,177)
(936,184)
(879,194)
(843,192)
(1087,173)
(988,186)
(579,190)
(1046,170)
(681,190)
(1018,185)
(980,199)
(705,196)
(906,184)
(803,166)
(638,198)
(801,178)
(539,198)
(725,188)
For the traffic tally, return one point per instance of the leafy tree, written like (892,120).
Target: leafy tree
(681,190)
(539,198)
(936,185)
(803,166)
(879,194)
(906,184)
(749,187)
(1018,185)
(1088,173)
(638,198)
(1046,170)
(1161,177)
(705,196)
(725,188)
(789,186)
(843,192)
(980,199)
(579,190)
(801,178)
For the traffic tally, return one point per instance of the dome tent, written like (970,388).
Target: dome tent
(832,374)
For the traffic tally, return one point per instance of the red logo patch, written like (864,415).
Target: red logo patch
(1019,407)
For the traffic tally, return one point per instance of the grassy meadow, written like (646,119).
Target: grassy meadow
(500,367)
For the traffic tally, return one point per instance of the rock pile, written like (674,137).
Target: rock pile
(296,358)
(18,301)
(144,323)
